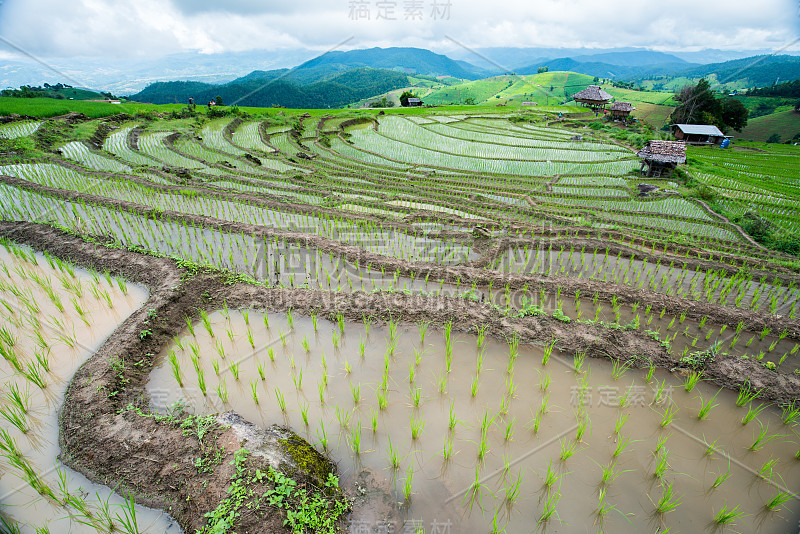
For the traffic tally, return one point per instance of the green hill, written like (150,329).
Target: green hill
(255,91)
(548,88)
(786,124)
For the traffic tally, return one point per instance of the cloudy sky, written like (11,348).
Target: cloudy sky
(148,28)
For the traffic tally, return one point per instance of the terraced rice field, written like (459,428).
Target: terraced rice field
(475,317)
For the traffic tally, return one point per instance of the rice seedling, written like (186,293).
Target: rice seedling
(669,415)
(776,501)
(706,407)
(355,439)
(791,414)
(621,420)
(567,449)
(762,438)
(727,516)
(34,373)
(222,392)
(281,400)
(417,424)
(15,417)
(254,390)
(355,391)
(304,412)
(691,380)
(513,488)
(578,361)
(661,465)
(233,367)
(175,368)
(767,469)
(752,413)
(550,506)
(722,477)
(618,369)
(393,456)
(668,501)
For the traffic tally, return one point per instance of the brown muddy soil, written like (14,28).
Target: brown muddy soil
(154,461)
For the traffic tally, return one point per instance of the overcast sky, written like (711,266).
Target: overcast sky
(117,28)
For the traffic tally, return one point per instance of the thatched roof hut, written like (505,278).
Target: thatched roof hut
(593,97)
(621,109)
(662,156)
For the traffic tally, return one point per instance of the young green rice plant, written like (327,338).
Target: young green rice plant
(669,415)
(206,323)
(621,420)
(281,400)
(618,368)
(355,391)
(548,351)
(622,443)
(15,417)
(767,469)
(706,406)
(175,368)
(304,411)
(234,369)
(551,477)
(791,414)
(578,361)
(222,391)
(215,365)
(776,501)
(668,501)
(513,488)
(567,449)
(752,413)
(762,438)
(290,318)
(661,465)
(727,516)
(416,396)
(322,435)
(35,374)
(355,439)
(417,424)
(254,390)
(17,398)
(691,380)
(544,381)
(549,510)
(393,456)
(746,394)
(722,477)
(201,380)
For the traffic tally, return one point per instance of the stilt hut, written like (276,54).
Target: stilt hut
(660,158)
(621,110)
(593,97)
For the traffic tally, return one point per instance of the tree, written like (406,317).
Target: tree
(218,100)
(774,138)
(596,80)
(469,101)
(405,96)
(734,114)
(698,105)
(543,69)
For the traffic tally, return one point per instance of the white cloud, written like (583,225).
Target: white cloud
(121,28)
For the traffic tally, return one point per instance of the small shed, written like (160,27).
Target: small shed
(593,97)
(413,101)
(698,134)
(621,110)
(660,157)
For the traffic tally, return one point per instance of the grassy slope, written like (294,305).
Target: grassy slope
(784,123)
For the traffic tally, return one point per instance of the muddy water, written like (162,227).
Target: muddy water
(438,487)
(39,444)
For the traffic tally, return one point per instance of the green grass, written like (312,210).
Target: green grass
(784,123)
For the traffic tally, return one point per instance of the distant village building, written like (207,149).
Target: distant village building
(661,157)
(593,97)
(621,110)
(530,103)
(701,134)
(414,101)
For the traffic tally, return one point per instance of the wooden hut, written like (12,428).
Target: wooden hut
(413,102)
(698,134)
(621,110)
(660,157)
(593,97)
